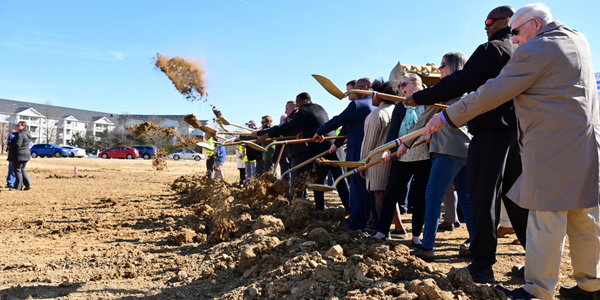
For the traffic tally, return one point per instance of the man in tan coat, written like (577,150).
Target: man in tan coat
(551,79)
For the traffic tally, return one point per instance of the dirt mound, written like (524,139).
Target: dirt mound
(186,75)
(274,248)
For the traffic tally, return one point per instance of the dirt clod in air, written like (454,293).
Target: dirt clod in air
(186,75)
(159,164)
(194,122)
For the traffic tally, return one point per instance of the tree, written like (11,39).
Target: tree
(49,126)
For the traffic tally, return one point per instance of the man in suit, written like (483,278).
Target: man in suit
(353,117)
(308,118)
(551,79)
(493,160)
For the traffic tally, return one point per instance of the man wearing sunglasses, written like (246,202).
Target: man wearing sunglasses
(551,79)
(493,160)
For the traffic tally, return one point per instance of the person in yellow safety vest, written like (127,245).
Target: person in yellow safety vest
(242,158)
(210,158)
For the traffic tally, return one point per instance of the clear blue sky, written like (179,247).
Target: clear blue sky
(257,54)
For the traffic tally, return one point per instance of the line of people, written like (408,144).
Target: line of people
(492,150)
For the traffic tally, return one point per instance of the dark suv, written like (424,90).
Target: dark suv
(146,151)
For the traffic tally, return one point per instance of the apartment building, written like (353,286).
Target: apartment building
(55,124)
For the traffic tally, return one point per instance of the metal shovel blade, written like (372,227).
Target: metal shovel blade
(329,86)
(343,164)
(320,187)
(255,146)
(205,146)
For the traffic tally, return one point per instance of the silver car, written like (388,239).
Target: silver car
(75,151)
(187,154)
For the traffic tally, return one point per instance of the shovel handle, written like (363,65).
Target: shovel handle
(390,97)
(314,140)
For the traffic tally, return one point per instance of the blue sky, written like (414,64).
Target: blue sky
(257,54)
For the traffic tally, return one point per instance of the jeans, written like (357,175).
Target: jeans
(250,169)
(443,170)
(10,178)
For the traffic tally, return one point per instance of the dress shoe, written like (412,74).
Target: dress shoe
(27,188)
(576,292)
(502,231)
(481,276)
(445,226)
(516,294)
(398,234)
(519,270)
(423,253)
(457,224)
(465,254)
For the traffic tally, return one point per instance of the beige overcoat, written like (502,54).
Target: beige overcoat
(552,82)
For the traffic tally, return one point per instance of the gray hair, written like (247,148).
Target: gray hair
(414,78)
(532,11)
(455,61)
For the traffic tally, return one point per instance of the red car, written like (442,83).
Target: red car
(120,152)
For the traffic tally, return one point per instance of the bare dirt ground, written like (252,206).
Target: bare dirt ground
(120,230)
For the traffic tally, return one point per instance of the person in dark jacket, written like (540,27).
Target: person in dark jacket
(353,117)
(18,153)
(493,162)
(308,118)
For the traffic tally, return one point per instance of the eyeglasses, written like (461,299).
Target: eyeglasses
(491,21)
(263,122)
(516,30)
(403,84)
(442,65)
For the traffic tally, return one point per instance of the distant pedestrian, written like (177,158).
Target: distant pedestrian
(18,154)
(10,178)
(219,160)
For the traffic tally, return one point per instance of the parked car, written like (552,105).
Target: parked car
(75,151)
(120,152)
(146,151)
(187,154)
(48,150)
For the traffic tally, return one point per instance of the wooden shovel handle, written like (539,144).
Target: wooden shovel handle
(314,140)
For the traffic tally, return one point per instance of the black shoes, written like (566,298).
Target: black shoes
(481,276)
(576,292)
(516,294)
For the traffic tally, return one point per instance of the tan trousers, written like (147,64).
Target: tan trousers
(545,243)
(219,170)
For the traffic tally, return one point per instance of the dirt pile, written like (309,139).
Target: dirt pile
(186,75)
(264,246)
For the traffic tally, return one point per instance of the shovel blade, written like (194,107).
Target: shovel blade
(320,187)
(329,86)
(205,146)
(255,146)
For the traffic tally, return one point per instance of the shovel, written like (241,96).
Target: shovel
(336,92)
(206,146)
(326,188)
(386,146)
(298,141)
(355,164)
(224,122)
(248,143)
(306,162)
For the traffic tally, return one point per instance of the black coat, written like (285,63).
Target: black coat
(18,147)
(308,118)
(486,62)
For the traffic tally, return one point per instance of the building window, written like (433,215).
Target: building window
(68,122)
(33,119)
(23,118)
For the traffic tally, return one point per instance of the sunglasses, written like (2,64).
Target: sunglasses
(442,65)
(491,21)
(516,30)
(403,84)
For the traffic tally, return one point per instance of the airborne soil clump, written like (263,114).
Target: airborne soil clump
(131,232)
